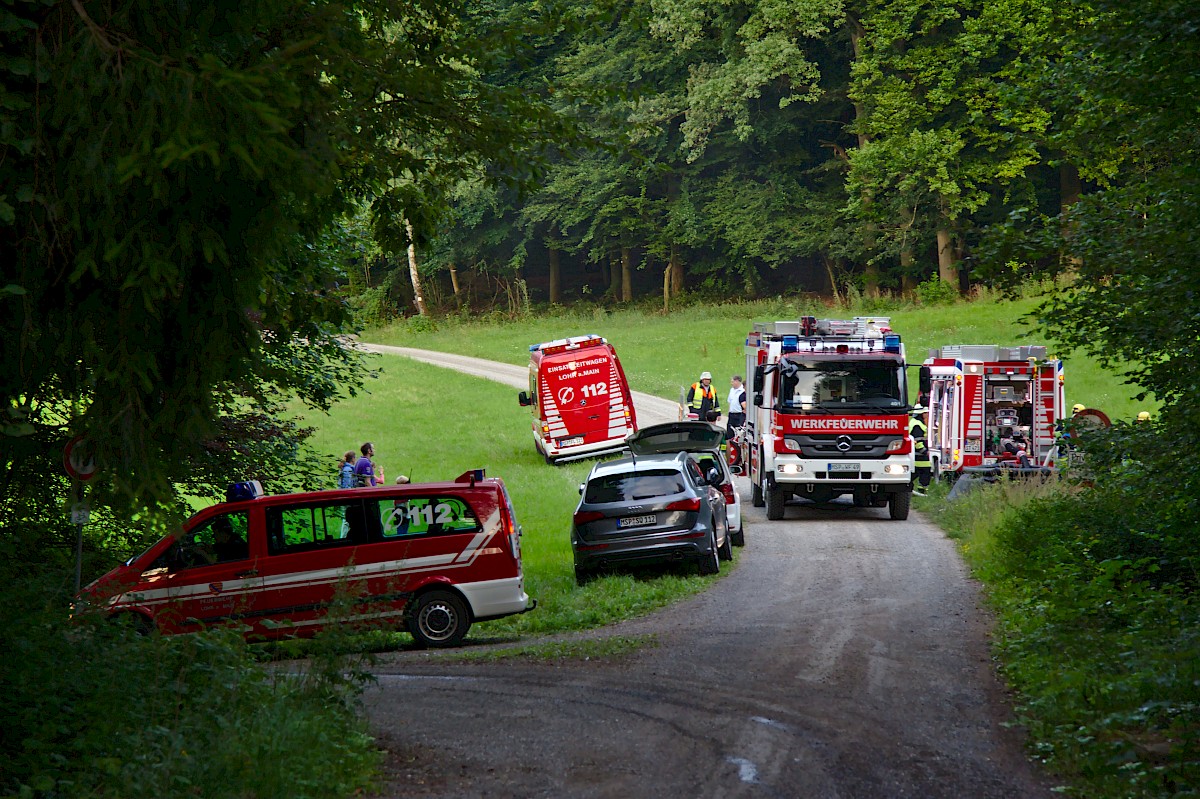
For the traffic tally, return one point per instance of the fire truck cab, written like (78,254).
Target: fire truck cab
(580,399)
(991,406)
(828,414)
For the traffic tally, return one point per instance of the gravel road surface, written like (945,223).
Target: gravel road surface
(844,655)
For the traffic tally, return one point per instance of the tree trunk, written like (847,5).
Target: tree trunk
(871,270)
(614,275)
(675,266)
(454,284)
(1070,190)
(412,270)
(947,266)
(626,274)
(555,285)
(833,287)
(667,287)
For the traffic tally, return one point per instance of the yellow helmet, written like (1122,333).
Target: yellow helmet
(1144,416)
(1079,406)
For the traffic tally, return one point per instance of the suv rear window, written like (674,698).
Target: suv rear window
(634,486)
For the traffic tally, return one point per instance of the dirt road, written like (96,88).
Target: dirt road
(844,656)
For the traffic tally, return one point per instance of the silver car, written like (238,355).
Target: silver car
(702,441)
(650,509)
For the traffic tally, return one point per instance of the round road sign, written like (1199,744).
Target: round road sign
(78,459)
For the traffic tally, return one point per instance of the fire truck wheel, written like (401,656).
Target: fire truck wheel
(775,500)
(709,563)
(438,619)
(898,505)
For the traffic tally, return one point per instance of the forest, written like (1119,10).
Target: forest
(200,200)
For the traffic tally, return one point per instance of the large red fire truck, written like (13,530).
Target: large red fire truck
(828,414)
(991,406)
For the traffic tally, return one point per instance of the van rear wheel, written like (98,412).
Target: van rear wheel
(438,619)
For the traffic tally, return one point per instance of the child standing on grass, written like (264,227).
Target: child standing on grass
(345,477)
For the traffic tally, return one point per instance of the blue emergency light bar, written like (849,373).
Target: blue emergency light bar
(790,343)
(891,343)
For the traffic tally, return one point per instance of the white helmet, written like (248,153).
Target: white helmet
(706,375)
(917,409)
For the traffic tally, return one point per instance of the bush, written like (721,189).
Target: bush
(96,709)
(1103,651)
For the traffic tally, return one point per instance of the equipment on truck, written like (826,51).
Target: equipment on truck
(580,400)
(828,414)
(992,406)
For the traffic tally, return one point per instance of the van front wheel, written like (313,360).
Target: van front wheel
(438,619)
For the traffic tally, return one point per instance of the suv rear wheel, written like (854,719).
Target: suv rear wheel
(709,562)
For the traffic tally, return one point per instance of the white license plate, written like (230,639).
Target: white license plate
(571,442)
(844,467)
(636,521)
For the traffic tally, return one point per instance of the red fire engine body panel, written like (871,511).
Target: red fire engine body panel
(579,398)
(992,405)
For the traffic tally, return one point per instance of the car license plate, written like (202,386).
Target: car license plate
(637,521)
(570,442)
(844,467)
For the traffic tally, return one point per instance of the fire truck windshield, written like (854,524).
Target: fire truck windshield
(865,385)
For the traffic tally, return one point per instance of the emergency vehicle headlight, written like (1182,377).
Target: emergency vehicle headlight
(896,468)
(791,444)
(790,468)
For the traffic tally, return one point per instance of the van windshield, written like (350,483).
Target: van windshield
(629,486)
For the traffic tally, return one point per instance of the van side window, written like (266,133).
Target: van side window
(308,527)
(410,517)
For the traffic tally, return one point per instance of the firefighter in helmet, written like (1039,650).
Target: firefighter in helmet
(922,463)
(1143,416)
(1077,407)
(702,399)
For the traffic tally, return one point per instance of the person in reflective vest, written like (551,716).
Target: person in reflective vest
(922,463)
(702,399)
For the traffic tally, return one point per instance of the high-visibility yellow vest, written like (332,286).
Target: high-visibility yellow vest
(699,392)
(916,429)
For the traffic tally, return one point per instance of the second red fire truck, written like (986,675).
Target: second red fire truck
(991,406)
(828,414)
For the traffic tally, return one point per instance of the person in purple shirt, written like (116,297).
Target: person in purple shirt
(364,469)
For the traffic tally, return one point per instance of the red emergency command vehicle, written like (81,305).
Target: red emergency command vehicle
(431,557)
(991,405)
(580,399)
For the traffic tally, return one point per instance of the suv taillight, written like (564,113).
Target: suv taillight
(727,492)
(692,504)
(585,516)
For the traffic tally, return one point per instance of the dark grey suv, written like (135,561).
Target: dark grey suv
(649,509)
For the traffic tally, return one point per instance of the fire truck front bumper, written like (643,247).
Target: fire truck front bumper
(881,476)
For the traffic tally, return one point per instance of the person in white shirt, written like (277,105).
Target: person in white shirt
(736,404)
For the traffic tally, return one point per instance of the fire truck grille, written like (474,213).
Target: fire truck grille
(845,447)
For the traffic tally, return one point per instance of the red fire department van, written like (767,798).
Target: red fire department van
(580,399)
(435,557)
(991,405)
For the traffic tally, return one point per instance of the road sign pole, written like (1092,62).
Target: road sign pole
(77,497)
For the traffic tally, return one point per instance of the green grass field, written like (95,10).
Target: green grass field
(662,353)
